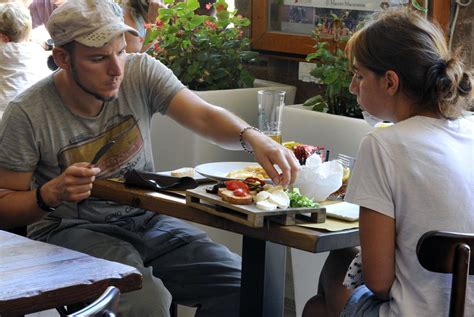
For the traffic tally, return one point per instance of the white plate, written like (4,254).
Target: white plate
(219,170)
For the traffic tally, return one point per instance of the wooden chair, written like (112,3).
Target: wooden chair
(104,306)
(449,252)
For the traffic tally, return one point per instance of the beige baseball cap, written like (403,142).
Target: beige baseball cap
(93,23)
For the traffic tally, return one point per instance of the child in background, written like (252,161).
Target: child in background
(409,178)
(22,62)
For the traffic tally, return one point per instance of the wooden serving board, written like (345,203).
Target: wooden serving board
(248,215)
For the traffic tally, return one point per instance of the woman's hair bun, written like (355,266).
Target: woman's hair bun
(465,85)
(437,77)
(449,82)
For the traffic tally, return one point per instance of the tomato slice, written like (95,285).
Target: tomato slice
(235,184)
(255,180)
(240,192)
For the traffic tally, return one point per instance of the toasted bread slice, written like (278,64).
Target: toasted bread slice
(182,172)
(228,196)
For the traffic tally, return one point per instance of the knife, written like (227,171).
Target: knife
(102,151)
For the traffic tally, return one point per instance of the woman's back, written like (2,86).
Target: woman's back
(427,185)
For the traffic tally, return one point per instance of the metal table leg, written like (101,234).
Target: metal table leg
(263,278)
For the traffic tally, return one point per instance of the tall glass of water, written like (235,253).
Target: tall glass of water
(270,109)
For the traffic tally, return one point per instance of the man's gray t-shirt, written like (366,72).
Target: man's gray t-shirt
(40,134)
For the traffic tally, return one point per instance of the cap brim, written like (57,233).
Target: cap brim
(104,35)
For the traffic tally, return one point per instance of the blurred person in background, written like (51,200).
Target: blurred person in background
(138,13)
(206,7)
(22,61)
(41,10)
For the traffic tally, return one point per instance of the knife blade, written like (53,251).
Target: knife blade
(102,151)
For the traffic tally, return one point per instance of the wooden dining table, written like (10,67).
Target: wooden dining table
(36,276)
(263,249)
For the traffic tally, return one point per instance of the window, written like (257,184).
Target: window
(285,26)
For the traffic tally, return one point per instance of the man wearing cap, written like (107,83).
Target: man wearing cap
(50,133)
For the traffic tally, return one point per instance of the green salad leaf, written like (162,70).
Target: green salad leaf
(299,200)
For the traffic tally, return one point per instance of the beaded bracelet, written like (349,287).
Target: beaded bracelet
(241,138)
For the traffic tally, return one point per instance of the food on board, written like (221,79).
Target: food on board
(303,151)
(182,172)
(252,190)
(237,197)
(273,198)
(255,191)
(254,171)
(236,192)
(299,200)
(265,205)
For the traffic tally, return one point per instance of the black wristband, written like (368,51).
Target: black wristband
(40,202)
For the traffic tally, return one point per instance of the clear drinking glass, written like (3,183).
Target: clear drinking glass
(270,109)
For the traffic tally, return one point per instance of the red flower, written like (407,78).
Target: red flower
(211,25)
(159,23)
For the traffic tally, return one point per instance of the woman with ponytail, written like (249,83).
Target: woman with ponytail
(412,177)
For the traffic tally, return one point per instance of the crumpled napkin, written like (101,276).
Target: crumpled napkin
(317,180)
(354,276)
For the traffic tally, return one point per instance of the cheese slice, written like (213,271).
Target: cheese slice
(266,205)
(279,198)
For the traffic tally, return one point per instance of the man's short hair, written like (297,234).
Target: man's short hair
(15,22)
(93,23)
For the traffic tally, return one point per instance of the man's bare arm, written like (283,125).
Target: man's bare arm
(18,201)
(223,128)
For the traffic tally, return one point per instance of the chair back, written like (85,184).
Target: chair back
(449,252)
(104,306)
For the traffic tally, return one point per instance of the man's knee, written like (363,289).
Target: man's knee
(153,299)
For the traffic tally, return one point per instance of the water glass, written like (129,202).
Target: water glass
(270,109)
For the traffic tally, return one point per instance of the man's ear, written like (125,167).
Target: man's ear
(62,58)
(392,82)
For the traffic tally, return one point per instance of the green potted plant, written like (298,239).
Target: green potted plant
(204,52)
(332,67)
(332,70)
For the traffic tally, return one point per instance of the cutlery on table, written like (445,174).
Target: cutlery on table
(102,151)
